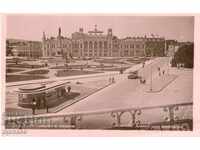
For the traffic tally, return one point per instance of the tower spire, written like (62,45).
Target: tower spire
(59,31)
(44,36)
(95,27)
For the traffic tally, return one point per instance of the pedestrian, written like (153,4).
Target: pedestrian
(33,106)
(113,80)
(141,80)
(163,72)
(159,71)
(69,89)
(109,80)
(178,66)
(46,104)
(143,64)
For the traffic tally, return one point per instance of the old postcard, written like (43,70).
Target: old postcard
(108,72)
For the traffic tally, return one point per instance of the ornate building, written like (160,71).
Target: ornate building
(92,44)
(59,46)
(96,43)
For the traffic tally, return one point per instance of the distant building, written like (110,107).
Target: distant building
(132,46)
(96,43)
(155,46)
(171,47)
(30,49)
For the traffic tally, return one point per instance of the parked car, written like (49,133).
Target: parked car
(133,75)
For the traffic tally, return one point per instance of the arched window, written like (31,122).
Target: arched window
(85,44)
(105,44)
(90,44)
(100,44)
(95,45)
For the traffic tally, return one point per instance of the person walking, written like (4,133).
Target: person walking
(113,80)
(163,72)
(159,71)
(33,106)
(143,64)
(69,89)
(109,80)
(46,104)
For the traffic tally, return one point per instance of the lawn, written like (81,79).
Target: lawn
(71,67)
(114,69)
(42,71)
(62,73)
(14,78)
(110,61)
(24,66)
(9,70)
(81,66)
(137,60)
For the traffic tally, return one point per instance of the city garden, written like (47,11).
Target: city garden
(22,72)
(22,69)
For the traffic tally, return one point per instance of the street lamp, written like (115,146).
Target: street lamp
(169,61)
(151,80)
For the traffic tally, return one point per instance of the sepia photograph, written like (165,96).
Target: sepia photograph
(107,72)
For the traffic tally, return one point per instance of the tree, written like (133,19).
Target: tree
(16,60)
(8,49)
(184,55)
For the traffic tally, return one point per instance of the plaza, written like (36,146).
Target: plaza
(172,88)
(101,74)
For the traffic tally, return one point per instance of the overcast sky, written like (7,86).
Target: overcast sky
(30,27)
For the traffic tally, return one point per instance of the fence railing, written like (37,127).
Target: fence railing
(164,117)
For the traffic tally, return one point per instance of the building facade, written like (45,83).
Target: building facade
(30,49)
(56,46)
(155,46)
(95,43)
(23,48)
(171,46)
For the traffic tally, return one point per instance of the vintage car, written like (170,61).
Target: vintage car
(133,75)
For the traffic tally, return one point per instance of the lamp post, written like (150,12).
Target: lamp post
(151,80)
(151,86)
(169,61)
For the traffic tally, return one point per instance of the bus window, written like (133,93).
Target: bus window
(59,92)
(50,93)
(24,96)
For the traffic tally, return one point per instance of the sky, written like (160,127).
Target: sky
(31,27)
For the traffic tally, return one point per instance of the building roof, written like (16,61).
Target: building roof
(39,88)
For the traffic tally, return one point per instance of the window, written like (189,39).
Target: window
(100,45)
(137,46)
(24,96)
(105,44)
(132,45)
(90,44)
(85,44)
(95,45)
(59,92)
